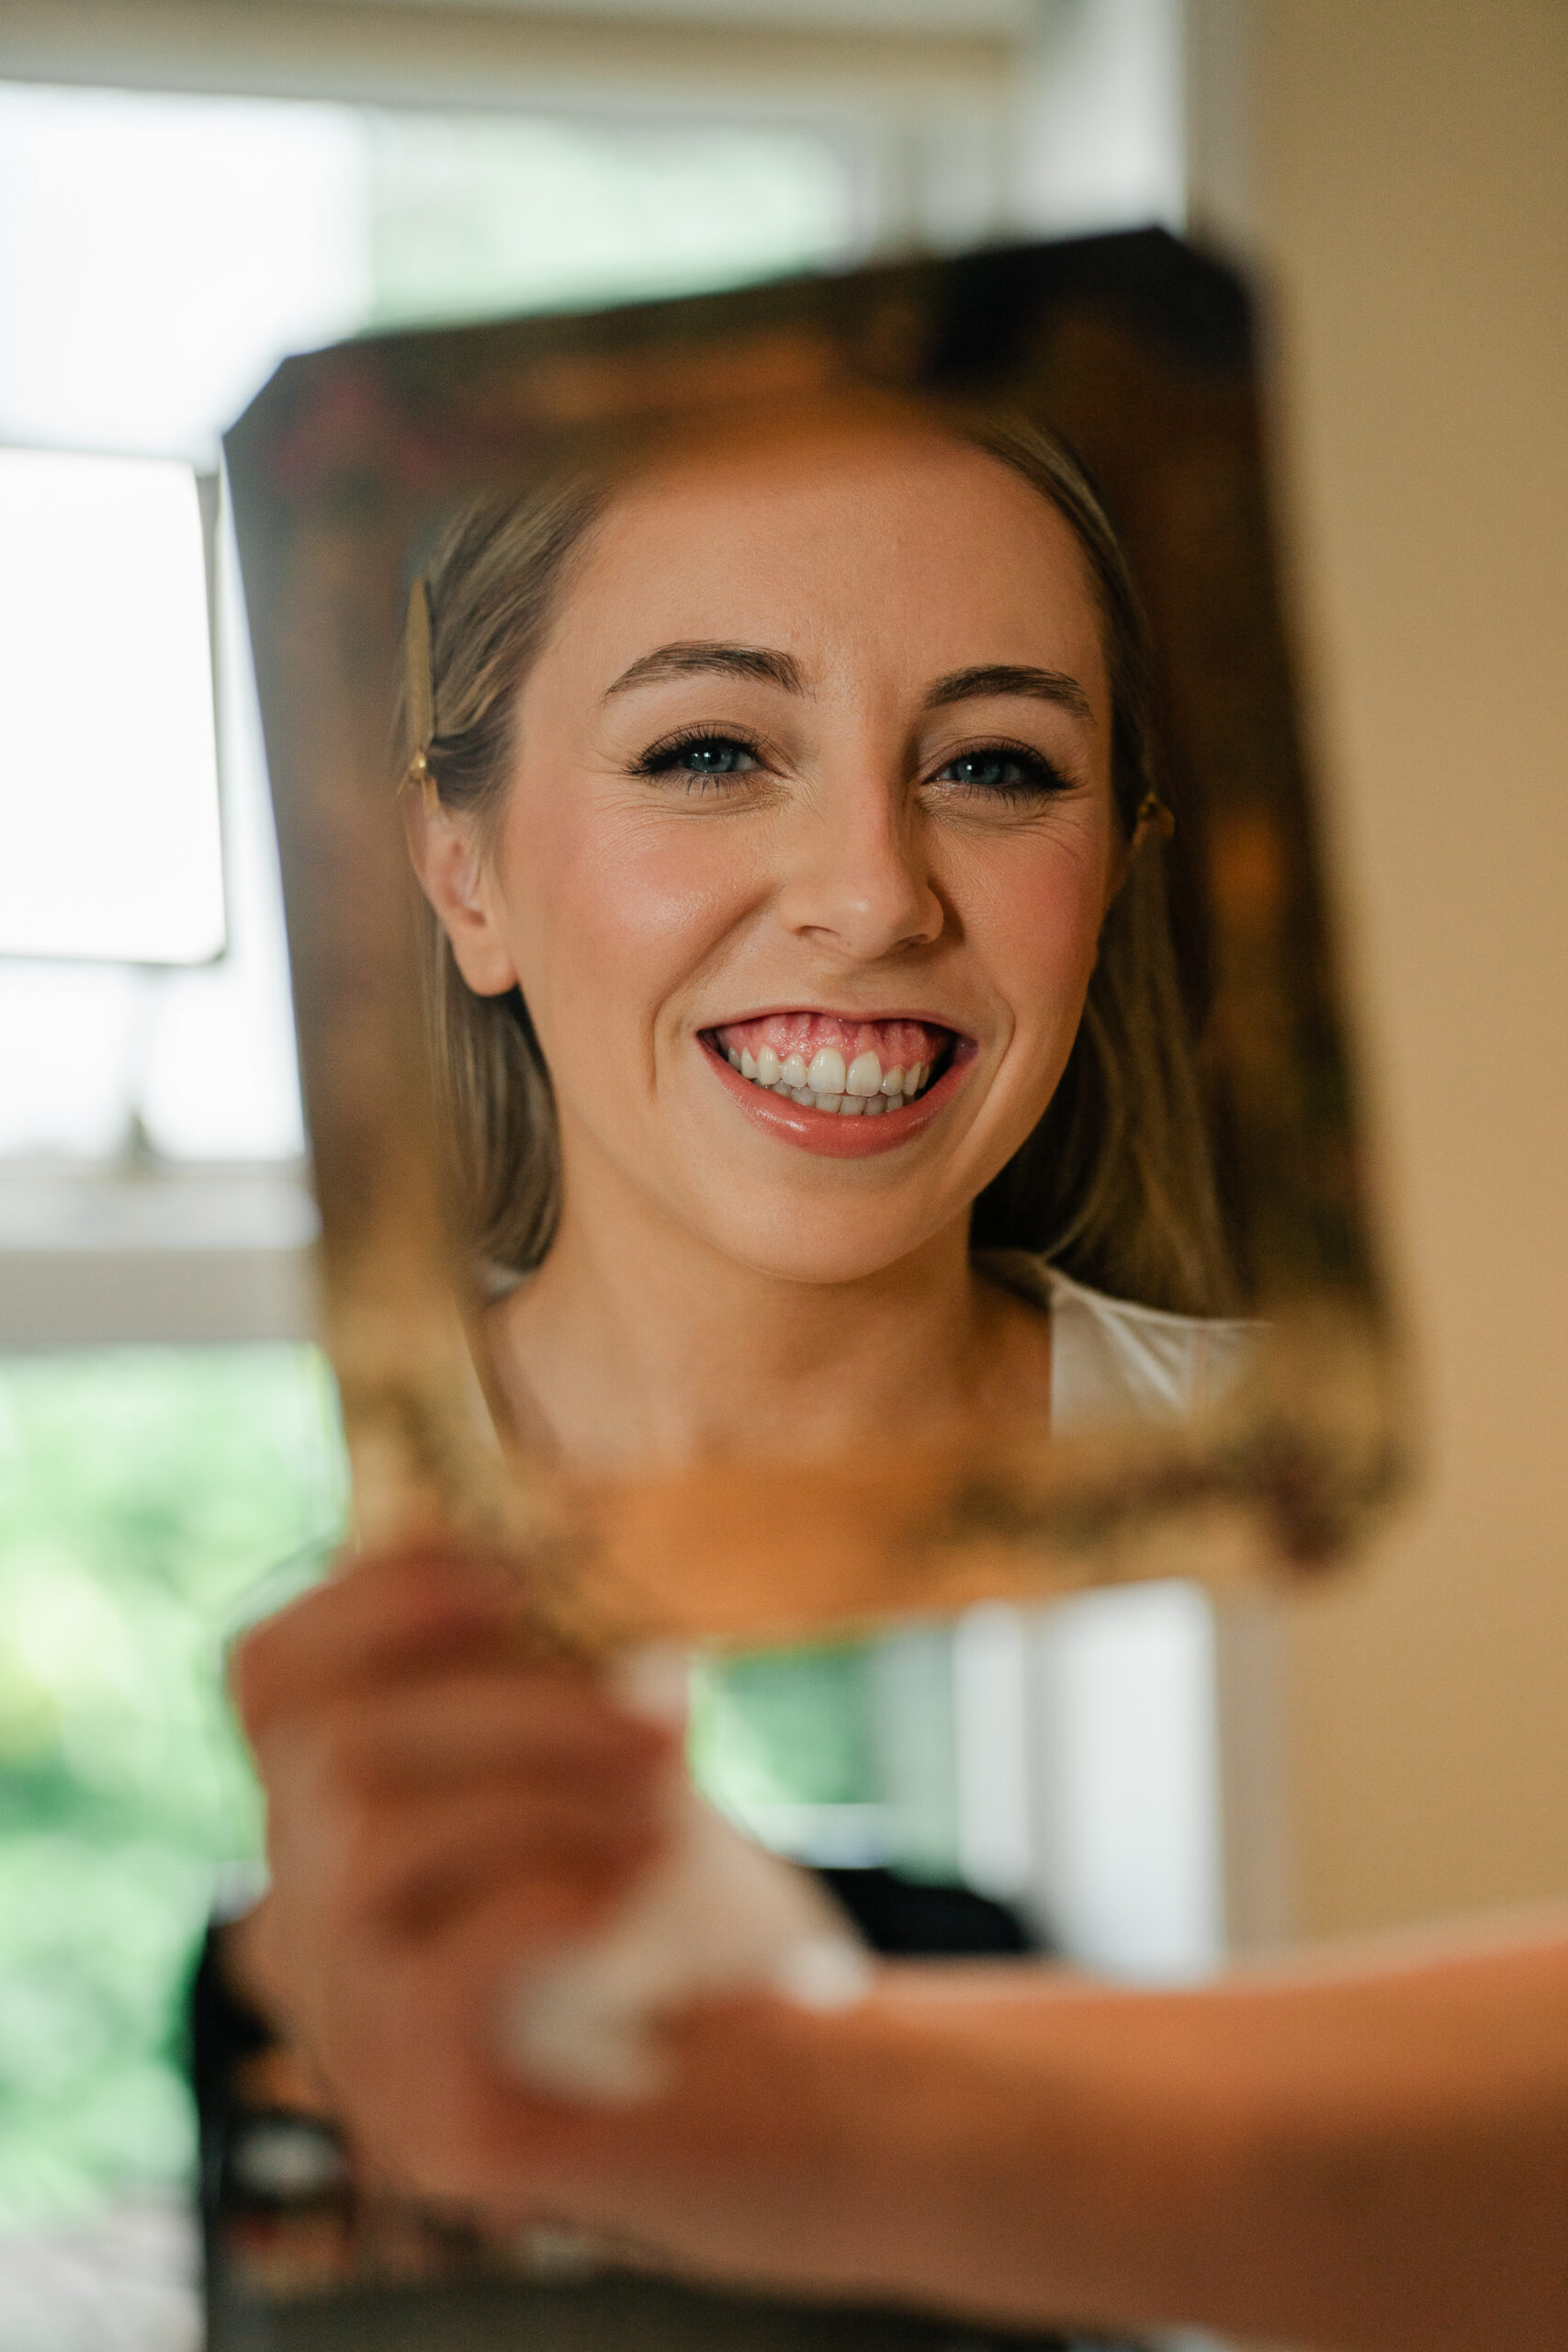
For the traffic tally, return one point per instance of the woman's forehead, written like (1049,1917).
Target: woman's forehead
(834,480)
(881,530)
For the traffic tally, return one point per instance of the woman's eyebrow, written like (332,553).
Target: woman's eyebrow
(1012,678)
(698,657)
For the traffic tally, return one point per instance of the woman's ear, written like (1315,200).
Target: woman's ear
(453,876)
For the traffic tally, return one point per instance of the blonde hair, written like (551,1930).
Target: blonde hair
(1115,1184)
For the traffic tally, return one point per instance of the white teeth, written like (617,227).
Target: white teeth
(825,1085)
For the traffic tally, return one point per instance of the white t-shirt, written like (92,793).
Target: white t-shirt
(1112,1361)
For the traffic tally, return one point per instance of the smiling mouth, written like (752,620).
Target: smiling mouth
(828,1062)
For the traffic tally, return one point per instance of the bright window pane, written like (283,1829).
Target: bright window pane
(158,256)
(108,791)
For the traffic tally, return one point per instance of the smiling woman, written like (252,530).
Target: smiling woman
(791,827)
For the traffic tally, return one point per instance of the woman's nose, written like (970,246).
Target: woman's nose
(857,879)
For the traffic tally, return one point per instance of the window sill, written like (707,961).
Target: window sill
(173,1255)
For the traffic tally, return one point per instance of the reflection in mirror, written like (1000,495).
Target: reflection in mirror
(772,893)
(106,670)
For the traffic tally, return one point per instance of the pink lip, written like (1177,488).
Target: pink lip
(837,1013)
(824,1132)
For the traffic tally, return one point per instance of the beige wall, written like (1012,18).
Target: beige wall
(1410,183)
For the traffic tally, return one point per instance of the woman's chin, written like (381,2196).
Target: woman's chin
(811,1245)
(803,1217)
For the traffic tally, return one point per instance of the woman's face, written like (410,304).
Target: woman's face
(813,778)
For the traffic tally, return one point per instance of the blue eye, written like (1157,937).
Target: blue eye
(716,759)
(1004,774)
(700,755)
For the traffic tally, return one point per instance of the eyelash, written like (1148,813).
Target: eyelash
(1041,779)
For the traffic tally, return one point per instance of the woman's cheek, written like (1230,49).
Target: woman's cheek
(1039,935)
(614,919)
(660,900)
(1042,919)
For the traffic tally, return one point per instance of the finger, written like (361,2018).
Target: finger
(452,1740)
(326,1780)
(416,1611)
(475,1723)
(363,1850)
(565,1863)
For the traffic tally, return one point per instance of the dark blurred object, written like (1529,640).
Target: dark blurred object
(921,1919)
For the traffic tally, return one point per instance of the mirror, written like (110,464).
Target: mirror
(1137,356)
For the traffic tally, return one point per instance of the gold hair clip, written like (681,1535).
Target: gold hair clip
(420,689)
(1155,817)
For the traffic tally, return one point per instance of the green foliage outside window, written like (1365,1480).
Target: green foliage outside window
(786,1727)
(145,1495)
